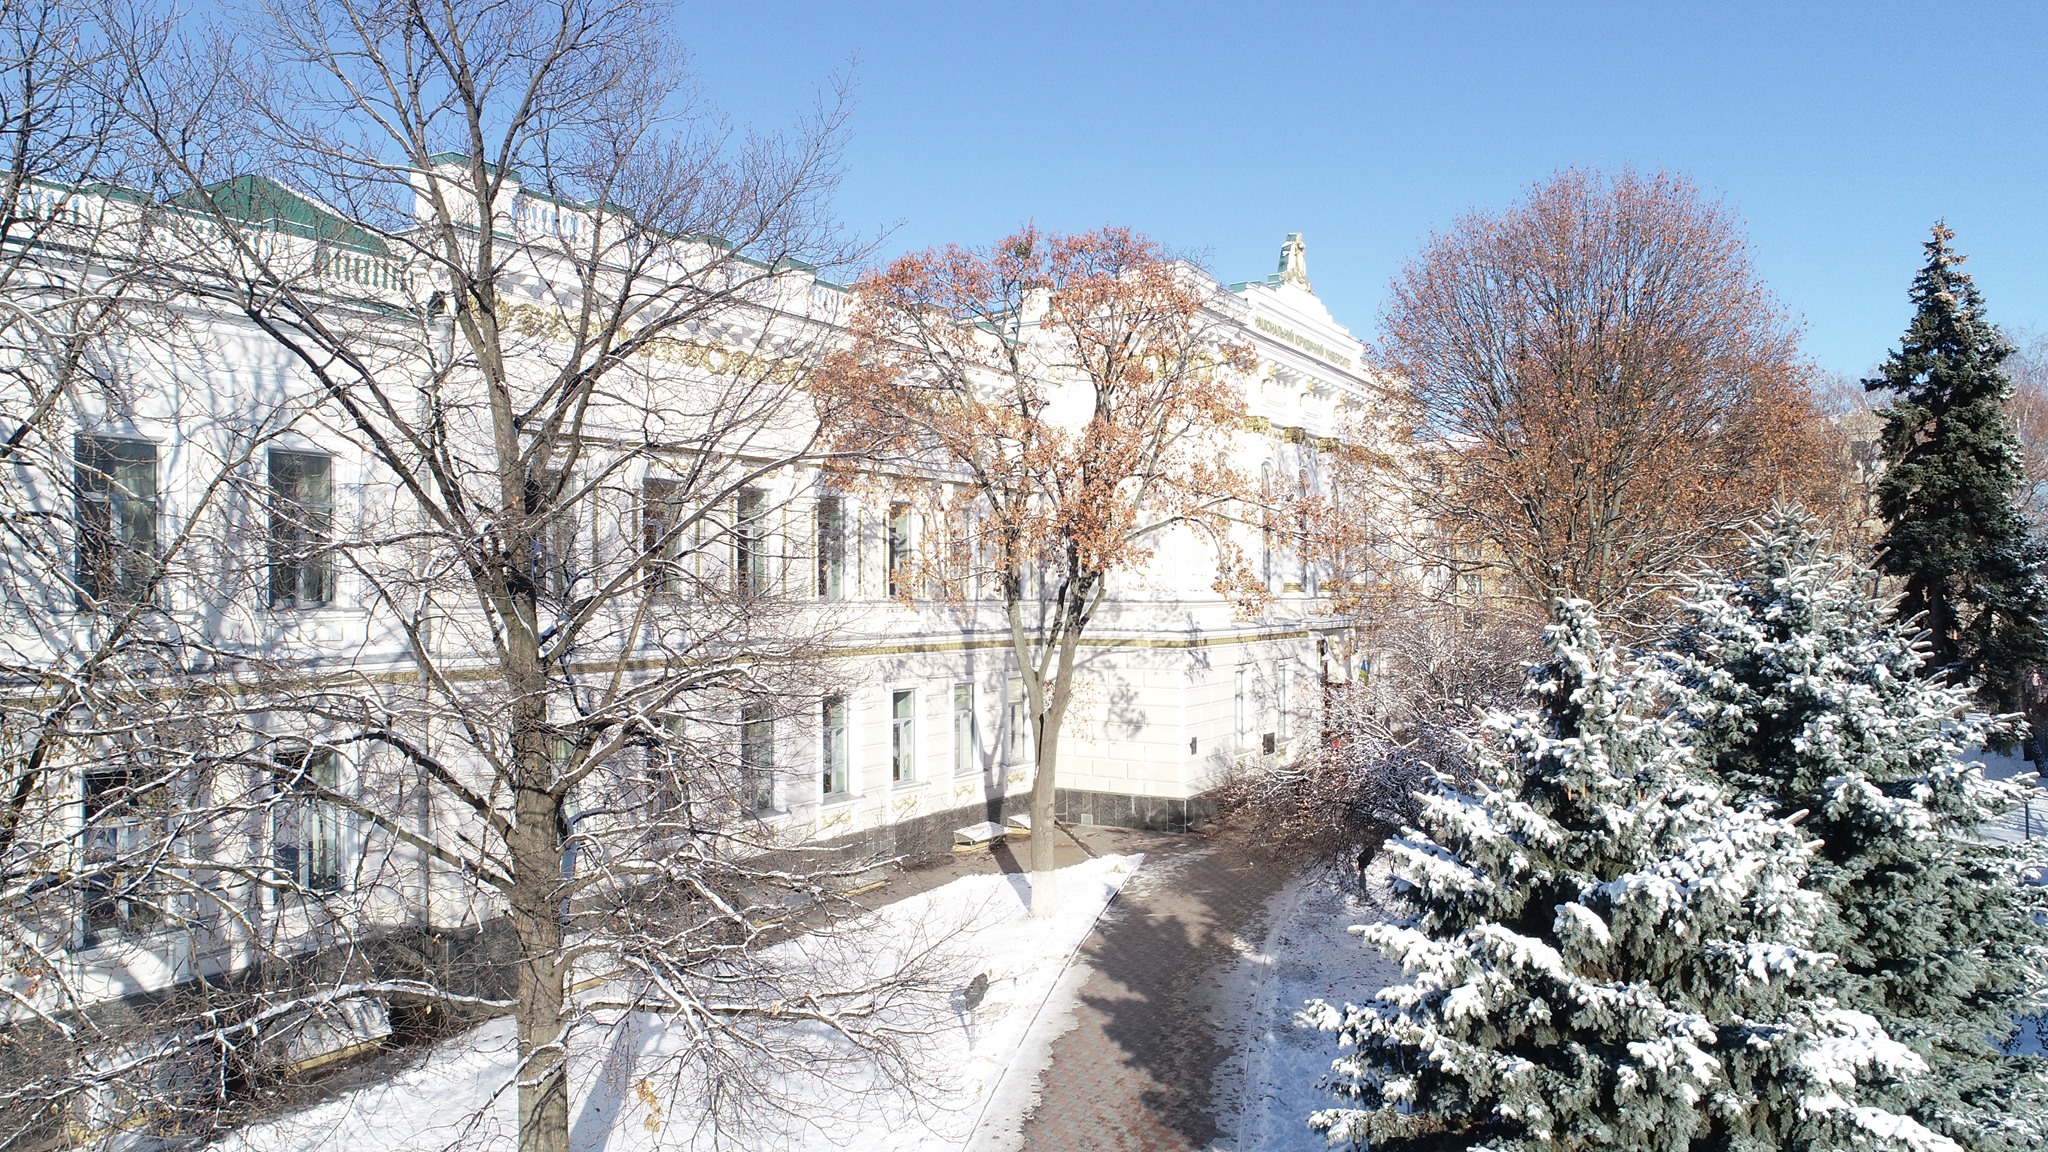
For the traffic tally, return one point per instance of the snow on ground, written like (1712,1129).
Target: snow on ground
(981,1068)
(1271,1084)
(2027,822)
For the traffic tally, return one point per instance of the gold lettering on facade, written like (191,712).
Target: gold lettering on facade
(1313,348)
(716,359)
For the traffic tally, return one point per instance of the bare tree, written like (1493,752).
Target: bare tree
(1400,731)
(1066,403)
(1605,390)
(107,738)
(500,644)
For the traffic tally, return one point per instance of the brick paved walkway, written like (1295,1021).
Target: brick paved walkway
(1138,1071)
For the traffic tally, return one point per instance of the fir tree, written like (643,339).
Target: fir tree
(1604,953)
(1971,572)
(1806,695)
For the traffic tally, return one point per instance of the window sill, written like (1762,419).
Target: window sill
(113,948)
(837,799)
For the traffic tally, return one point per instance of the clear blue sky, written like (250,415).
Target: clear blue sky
(1839,132)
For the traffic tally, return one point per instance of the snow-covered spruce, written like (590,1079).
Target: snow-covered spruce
(1806,695)
(1603,952)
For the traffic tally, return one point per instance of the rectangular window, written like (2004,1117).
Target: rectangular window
(564,755)
(301,527)
(757,756)
(117,514)
(750,542)
(960,552)
(127,818)
(661,534)
(1266,526)
(548,495)
(832,744)
(662,790)
(903,735)
(1244,708)
(306,831)
(831,533)
(898,558)
(1019,723)
(1283,692)
(963,728)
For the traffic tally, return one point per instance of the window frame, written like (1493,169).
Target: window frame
(834,739)
(299,526)
(828,533)
(1268,570)
(1017,721)
(1243,709)
(662,544)
(903,735)
(898,550)
(554,571)
(750,570)
(137,803)
(319,828)
(666,795)
(1283,698)
(111,567)
(757,756)
(966,733)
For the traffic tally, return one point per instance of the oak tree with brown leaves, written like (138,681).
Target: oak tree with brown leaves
(1610,390)
(1075,395)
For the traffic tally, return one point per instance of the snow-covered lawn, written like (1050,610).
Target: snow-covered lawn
(980,1069)
(1308,953)
(2027,822)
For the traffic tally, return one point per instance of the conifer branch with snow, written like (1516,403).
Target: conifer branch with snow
(1805,694)
(1604,951)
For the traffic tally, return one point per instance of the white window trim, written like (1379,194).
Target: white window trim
(903,757)
(1017,726)
(1243,709)
(974,756)
(845,746)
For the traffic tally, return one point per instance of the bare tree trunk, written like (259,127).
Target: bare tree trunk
(1045,893)
(1044,786)
(536,916)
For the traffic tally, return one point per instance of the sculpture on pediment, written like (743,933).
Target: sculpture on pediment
(1294,262)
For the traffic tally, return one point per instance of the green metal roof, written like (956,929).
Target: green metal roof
(261,200)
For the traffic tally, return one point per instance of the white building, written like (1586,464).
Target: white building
(1174,690)
(213,478)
